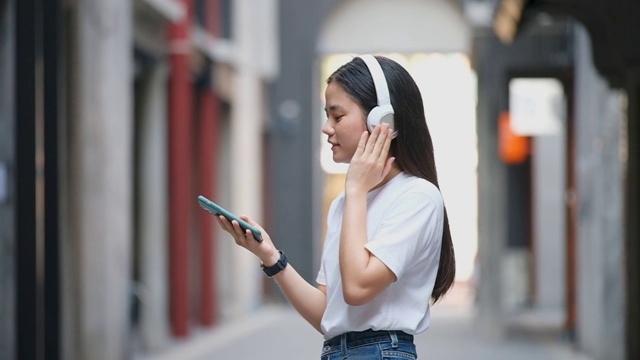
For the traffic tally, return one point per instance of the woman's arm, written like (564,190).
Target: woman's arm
(364,276)
(309,301)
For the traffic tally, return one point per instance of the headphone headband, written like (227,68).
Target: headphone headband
(383,113)
(379,80)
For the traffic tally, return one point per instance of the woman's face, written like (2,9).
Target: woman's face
(345,123)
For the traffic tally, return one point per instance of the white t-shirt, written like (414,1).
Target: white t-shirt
(404,230)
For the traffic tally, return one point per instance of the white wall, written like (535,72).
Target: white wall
(549,228)
(99,183)
(406,26)
(153,217)
(600,118)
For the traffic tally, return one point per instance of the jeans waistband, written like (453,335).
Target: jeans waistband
(367,336)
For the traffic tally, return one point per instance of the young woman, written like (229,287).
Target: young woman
(388,251)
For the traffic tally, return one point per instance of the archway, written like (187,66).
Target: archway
(431,39)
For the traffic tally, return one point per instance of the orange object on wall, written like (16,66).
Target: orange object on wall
(513,148)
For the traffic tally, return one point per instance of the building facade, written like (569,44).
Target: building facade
(130,110)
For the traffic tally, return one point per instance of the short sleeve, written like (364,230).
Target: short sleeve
(321,279)
(407,230)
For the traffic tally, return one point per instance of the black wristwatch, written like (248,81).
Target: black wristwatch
(279,266)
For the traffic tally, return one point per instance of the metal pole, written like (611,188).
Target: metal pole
(27,286)
(52,96)
(632,213)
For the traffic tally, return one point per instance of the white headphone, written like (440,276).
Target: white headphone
(383,113)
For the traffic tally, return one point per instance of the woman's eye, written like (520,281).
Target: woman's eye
(338,118)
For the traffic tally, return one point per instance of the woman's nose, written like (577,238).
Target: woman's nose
(327,128)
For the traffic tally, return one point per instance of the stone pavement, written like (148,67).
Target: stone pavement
(277,332)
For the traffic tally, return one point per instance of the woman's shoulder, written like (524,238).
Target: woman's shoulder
(411,185)
(419,183)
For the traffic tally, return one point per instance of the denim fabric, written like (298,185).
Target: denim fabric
(374,345)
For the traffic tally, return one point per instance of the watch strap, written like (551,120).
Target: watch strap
(277,267)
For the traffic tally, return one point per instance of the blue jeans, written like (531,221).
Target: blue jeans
(370,345)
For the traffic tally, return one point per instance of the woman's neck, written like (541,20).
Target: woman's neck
(395,170)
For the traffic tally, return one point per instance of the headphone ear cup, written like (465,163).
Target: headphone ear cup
(373,118)
(379,115)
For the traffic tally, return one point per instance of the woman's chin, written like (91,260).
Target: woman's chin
(339,160)
(340,157)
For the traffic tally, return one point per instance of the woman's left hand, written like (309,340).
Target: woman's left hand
(370,163)
(265,250)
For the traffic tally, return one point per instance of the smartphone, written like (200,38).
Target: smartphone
(216,209)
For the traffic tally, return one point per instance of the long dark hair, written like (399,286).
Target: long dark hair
(412,148)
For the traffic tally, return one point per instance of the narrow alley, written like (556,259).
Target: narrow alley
(277,332)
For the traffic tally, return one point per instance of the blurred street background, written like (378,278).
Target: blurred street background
(116,114)
(452,336)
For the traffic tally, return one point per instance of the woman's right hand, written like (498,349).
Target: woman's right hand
(264,250)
